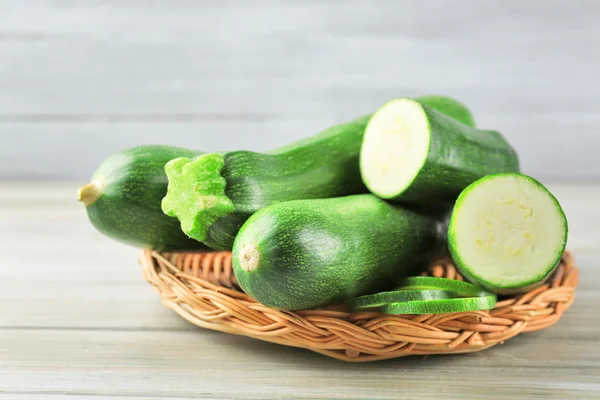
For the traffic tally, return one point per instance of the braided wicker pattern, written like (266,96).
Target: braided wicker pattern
(202,289)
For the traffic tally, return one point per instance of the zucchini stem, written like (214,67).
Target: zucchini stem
(249,258)
(88,194)
(196,194)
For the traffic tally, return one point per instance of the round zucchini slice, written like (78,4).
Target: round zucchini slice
(374,301)
(464,304)
(460,288)
(507,233)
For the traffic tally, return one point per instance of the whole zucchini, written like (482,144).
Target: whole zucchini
(214,195)
(123,199)
(414,153)
(310,253)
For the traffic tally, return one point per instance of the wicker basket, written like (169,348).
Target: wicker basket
(201,288)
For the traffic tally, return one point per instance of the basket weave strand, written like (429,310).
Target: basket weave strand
(202,289)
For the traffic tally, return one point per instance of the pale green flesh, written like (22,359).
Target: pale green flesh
(373,301)
(395,147)
(463,289)
(464,304)
(507,232)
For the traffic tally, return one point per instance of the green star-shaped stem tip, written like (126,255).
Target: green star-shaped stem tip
(196,193)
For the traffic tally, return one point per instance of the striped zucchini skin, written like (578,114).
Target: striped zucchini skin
(214,195)
(309,253)
(458,156)
(127,190)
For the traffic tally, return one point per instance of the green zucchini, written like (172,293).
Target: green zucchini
(507,233)
(123,200)
(310,253)
(464,304)
(450,107)
(374,301)
(462,289)
(414,153)
(215,194)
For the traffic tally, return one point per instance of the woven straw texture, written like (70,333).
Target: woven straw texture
(201,288)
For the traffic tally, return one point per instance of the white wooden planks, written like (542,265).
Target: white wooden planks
(80,80)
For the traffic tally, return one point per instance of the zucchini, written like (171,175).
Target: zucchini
(215,194)
(464,304)
(374,301)
(462,289)
(507,233)
(123,200)
(310,253)
(450,107)
(413,153)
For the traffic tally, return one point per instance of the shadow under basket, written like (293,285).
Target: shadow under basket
(202,289)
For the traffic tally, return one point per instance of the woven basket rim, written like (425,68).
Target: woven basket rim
(201,288)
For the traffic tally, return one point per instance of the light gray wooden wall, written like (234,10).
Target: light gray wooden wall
(82,79)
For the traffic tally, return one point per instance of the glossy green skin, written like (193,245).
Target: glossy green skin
(318,252)
(450,107)
(129,208)
(458,156)
(323,166)
(215,194)
(458,111)
(501,287)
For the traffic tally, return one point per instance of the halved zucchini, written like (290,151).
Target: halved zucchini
(413,153)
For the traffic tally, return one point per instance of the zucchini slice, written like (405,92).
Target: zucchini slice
(507,233)
(377,300)
(414,153)
(464,304)
(460,288)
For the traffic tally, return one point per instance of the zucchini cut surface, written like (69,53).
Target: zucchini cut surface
(507,233)
(395,147)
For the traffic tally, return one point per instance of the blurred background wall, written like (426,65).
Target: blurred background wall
(82,79)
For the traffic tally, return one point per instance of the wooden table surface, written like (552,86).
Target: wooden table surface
(77,319)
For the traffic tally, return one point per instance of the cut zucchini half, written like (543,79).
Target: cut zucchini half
(464,304)
(460,288)
(414,153)
(507,233)
(374,301)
